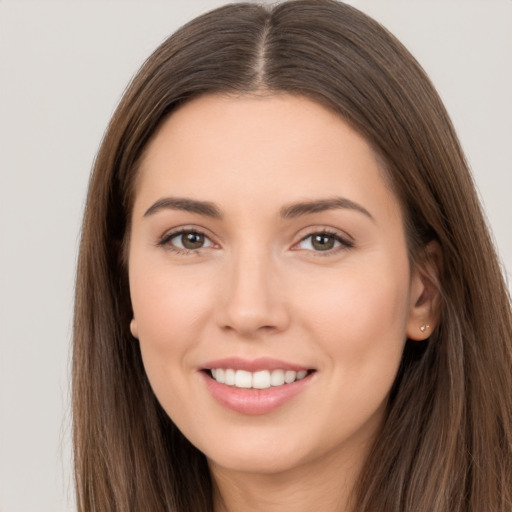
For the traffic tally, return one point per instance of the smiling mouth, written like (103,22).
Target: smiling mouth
(262,379)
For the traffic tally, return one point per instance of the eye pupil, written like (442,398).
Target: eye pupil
(322,242)
(192,240)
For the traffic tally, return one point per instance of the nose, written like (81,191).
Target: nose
(252,299)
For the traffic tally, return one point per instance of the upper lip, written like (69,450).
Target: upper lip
(254,365)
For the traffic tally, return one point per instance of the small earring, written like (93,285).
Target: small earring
(424,327)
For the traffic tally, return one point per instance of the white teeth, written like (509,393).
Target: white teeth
(289,376)
(277,378)
(262,379)
(220,375)
(229,377)
(243,379)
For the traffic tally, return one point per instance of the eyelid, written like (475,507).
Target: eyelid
(164,240)
(344,239)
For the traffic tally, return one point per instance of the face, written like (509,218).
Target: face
(270,281)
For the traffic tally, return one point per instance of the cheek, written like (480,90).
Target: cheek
(169,307)
(164,299)
(360,318)
(359,325)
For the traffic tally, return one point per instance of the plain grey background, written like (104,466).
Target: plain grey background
(63,67)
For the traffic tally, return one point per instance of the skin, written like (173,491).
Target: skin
(258,287)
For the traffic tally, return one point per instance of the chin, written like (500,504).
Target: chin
(256,463)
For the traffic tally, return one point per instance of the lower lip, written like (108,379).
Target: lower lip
(254,401)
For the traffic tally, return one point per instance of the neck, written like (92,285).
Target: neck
(325,485)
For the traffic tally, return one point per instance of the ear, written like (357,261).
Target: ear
(425,293)
(134,329)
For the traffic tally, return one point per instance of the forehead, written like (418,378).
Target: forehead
(279,147)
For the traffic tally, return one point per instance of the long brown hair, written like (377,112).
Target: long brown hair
(446,444)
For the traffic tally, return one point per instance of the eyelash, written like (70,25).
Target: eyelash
(165,242)
(344,243)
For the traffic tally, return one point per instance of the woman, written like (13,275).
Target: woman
(287,297)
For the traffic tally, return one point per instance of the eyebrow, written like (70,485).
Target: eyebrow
(320,205)
(187,205)
(290,211)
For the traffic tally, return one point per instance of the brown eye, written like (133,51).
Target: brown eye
(187,241)
(323,242)
(192,240)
